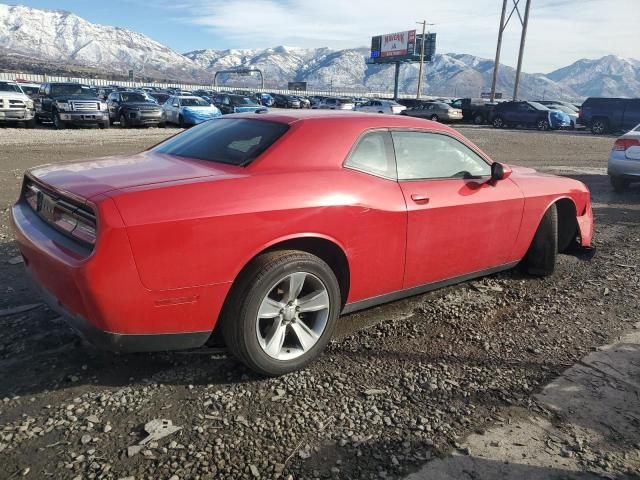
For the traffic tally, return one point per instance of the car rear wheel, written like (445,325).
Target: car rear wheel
(282,311)
(478,119)
(543,125)
(498,122)
(540,259)
(619,184)
(599,127)
(434,118)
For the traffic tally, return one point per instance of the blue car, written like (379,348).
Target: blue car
(559,120)
(265,99)
(187,110)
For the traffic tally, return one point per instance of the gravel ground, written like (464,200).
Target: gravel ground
(399,385)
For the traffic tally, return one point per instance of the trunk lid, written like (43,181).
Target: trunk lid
(89,178)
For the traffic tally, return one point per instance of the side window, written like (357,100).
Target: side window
(430,155)
(374,154)
(457,104)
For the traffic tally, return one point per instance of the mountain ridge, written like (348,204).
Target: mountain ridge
(39,39)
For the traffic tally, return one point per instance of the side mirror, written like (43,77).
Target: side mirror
(499,171)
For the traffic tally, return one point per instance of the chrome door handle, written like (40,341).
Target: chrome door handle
(422,199)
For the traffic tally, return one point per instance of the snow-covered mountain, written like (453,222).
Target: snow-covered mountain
(64,37)
(45,40)
(608,76)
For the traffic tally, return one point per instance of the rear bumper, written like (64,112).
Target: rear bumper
(620,166)
(100,292)
(118,342)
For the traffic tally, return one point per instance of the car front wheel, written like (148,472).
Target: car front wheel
(57,123)
(540,259)
(498,122)
(543,125)
(282,311)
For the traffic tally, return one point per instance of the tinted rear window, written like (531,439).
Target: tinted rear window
(235,141)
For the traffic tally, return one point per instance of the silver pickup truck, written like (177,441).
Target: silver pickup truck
(15,105)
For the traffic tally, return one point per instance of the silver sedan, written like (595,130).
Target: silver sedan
(624,160)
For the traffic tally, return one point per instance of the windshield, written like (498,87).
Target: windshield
(134,97)
(193,102)
(59,89)
(10,87)
(241,101)
(231,141)
(538,106)
(29,89)
(160,97)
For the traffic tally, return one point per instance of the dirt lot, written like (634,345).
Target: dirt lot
(401,384)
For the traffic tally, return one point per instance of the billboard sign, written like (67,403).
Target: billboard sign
(399,44)
(429,46)
(297,86)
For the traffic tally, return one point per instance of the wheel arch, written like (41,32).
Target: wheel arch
(324,247)
(567,221)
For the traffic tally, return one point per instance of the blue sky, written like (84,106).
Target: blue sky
(560,31)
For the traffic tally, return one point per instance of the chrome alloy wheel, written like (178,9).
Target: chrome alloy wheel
(292,316)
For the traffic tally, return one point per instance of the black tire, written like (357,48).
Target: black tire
(543,125)
(104,125)
(599,126)
(478,119)
(434,118)
(619,184)
(238,319)
(123,121)
(540,259)
(498,122)
(57,123)
(30,123)
(162,125)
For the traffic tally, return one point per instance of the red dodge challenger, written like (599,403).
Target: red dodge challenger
(268,227)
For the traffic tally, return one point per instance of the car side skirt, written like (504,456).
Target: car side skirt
(420,289)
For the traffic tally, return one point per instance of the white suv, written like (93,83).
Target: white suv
(15,105)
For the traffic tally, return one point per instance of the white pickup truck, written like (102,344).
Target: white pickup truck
(15,106)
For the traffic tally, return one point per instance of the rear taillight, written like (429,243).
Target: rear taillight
(79,223)
(72,219)
(623,144)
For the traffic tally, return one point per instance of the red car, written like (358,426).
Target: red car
(271,226)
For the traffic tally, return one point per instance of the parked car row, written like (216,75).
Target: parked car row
(65,104)
(69,103)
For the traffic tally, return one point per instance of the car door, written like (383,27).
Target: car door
(113,102)
(172,109)
(459,220)
(46,104)
(631,114)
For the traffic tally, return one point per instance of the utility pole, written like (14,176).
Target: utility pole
(424,27)
(523,37)
(496,65)
(396,80)
(503,25)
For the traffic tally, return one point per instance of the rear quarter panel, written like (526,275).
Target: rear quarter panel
(205,232)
